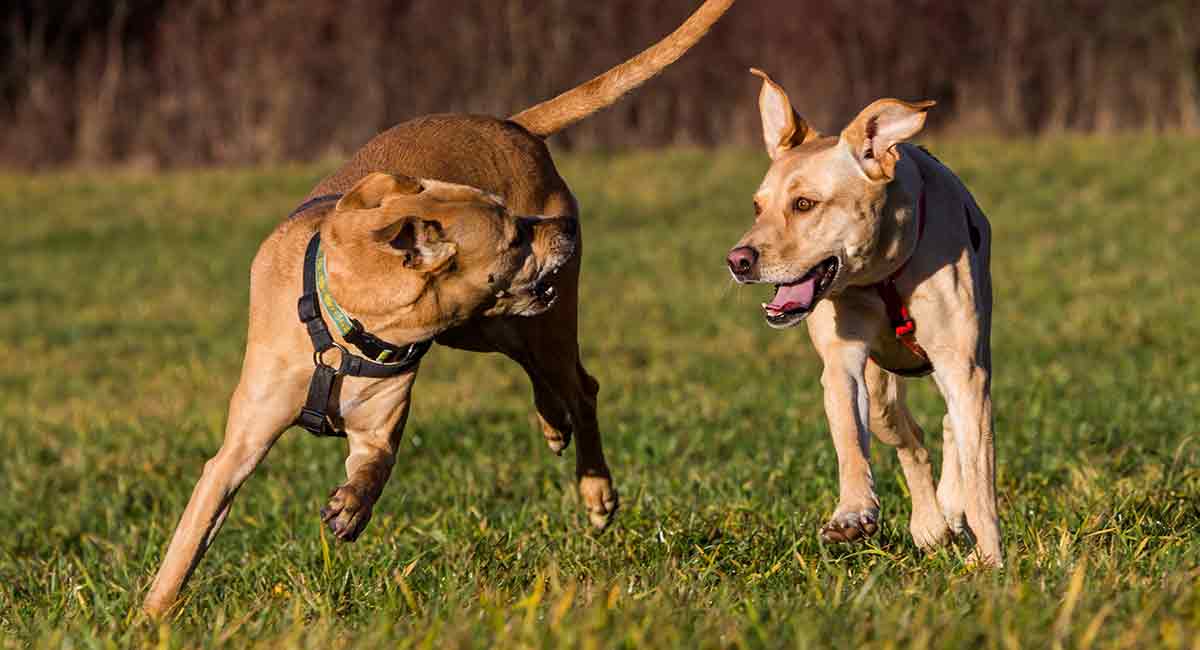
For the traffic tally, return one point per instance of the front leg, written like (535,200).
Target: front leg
(848,409)
(374,417)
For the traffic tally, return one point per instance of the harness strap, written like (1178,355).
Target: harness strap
(314,416)
(902,323)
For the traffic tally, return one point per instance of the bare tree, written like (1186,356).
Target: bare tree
(187,82)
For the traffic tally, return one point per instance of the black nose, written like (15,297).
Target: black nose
(741,260)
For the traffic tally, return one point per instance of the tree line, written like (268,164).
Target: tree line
(196,82)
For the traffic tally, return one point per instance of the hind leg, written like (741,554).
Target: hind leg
(950,495)
(577,390)
(894,425)
(258,413)
(553,413)
(966,388)
(547,348)
(963,374)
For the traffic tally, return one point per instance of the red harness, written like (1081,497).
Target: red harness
(902,323)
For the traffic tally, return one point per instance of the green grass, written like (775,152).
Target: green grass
(122,323)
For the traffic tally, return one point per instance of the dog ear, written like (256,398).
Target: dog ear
(874,134)
(783,128)
(369,193)
(419,243)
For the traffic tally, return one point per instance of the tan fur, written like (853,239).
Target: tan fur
(863,187)
(556,114)
(414,258)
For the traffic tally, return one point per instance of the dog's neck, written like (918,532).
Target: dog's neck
(899,221)
(386,313)
(896,240)
(391,325)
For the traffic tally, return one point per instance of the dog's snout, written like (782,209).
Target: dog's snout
(741,260)
(555,226)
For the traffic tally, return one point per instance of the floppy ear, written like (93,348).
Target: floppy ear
(370,191)
(419,244)
(783,128)
(873,135)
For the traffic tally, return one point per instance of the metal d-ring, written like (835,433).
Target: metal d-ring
(319,356)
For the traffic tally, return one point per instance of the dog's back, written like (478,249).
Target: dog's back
(494,155)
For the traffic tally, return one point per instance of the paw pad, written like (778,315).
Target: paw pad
(346,514)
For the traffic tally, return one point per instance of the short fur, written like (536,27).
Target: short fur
(862,189)
(416,258)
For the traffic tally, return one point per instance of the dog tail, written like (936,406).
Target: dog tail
(554,115)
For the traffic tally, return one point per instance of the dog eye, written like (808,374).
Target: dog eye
(804,205)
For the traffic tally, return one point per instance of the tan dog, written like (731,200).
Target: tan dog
(888,253)
(414,259)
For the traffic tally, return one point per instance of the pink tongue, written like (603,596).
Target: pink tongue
(795,296)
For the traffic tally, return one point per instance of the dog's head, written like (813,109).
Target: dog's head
(823,219)
(429,255)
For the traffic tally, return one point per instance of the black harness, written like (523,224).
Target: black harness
(314,416)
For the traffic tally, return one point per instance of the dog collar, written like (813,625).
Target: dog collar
(314,415)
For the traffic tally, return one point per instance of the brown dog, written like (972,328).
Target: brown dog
(888,252)
(413,259)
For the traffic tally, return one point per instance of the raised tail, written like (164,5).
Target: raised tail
(556,114)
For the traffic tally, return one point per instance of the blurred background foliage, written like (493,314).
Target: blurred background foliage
(156,83)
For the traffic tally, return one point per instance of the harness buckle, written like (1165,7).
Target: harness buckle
(307,306)
(312,421)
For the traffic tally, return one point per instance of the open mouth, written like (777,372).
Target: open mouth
(545,289)
(795,300)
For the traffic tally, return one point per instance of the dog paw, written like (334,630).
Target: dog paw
(954,511)
(851,526)
(929,529)
(978,559)
(957,522)
(347,513)
(155,607)
(558,444)
(557,440)
(600,498)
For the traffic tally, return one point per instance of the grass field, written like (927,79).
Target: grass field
(122,324)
